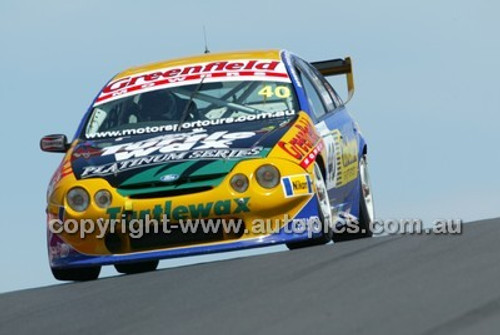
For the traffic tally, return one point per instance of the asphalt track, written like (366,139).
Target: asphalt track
(388,285)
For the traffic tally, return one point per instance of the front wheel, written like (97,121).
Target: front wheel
(77,274)
(132,268)
(325,214)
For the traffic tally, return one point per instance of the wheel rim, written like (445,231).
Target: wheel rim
(366,188)
(322,193)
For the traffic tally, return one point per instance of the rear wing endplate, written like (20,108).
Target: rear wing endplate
(336,67)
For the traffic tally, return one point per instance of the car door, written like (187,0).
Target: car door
(337,129)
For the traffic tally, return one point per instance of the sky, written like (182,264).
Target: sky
(426,96)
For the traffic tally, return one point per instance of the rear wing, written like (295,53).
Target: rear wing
(336,67)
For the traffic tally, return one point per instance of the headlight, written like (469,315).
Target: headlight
(78,199)
(268,176)
(239,182)
(103,198)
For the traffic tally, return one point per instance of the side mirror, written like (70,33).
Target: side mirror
(54,143)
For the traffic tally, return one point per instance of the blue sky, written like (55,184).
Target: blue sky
(426,75)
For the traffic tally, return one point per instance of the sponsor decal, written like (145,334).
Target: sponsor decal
(346,157)
(297,185)
(305,145)
(85,152)
(192,73)
(59,250)
(128,164)
(188,125)
(196,140)
(56,247)
(53,142)
(188,211)
(172,147)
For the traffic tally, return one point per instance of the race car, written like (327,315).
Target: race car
(205,154)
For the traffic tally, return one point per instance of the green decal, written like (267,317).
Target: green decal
(200,210)
(180,212)
(190,211)
(222,207)
(157,212)
(168,207)
(242,205)
(113,212)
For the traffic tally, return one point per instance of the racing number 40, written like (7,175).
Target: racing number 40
(279,91)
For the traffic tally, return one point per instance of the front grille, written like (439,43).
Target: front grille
(173,239)
(117,242)
(148,190)
(181,181)
(169,193)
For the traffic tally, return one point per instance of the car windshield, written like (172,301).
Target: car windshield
(192,106)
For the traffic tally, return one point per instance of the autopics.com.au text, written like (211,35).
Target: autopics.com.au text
(137,228)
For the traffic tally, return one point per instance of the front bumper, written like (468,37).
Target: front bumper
(62,255)
(256,204)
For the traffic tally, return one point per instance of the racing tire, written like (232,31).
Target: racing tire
(140,267)
(325,214)
(77,274)
(366,207)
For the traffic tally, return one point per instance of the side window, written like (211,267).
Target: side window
(336,98)
(318,109)
(319,83)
